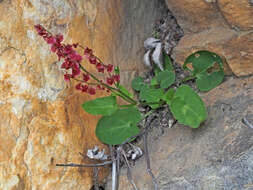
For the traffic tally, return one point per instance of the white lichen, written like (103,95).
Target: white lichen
(146,58)
(135,152)
(151,43)
(157,56)
(96,154)
(154,53)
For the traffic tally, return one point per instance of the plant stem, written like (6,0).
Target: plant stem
(96,79)
(148,103)
(147,114)
(126,106)
(120,93)
(188,78)
(131,100)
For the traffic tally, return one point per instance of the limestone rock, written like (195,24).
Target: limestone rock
(41,119)
(237,13)
(218,155)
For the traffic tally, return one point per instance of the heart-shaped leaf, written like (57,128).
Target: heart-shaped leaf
(187,107)
(119,126)
(137,83)
(206,82)
(151,94)
(203,65)
(101,106)
(166,78)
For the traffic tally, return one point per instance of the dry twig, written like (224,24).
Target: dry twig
(129,173)
(114,170)
(246,122)
(146,154)
(86,165)
(95,178)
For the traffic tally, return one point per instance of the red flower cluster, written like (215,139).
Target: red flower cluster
(101,67)
(71,58)
(112,79)
(72,62)
(85,88)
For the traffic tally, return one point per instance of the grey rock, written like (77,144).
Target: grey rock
(216,156)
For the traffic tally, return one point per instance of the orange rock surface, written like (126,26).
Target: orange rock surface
(237,13)
(41,119)
(223,27)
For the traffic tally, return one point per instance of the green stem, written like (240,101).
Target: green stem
(188,78)
(120,93)
(147,114)
(126,97)
(126,106)
(148,103)
(96,79)
(131,99)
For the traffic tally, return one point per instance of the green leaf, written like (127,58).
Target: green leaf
(125,91)
(206,82)
(167,62)
(187,107)
(202,62)
(166,78)
(168,96)
(146,86)
(151,95)
(101,106)
(119,126)
(154,82)
(156,70)
(137,83)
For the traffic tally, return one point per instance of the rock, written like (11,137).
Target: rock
(220,26)
(218,155)
(196,15)
(237,13)
(41,119)
(239,54)
(224,42)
